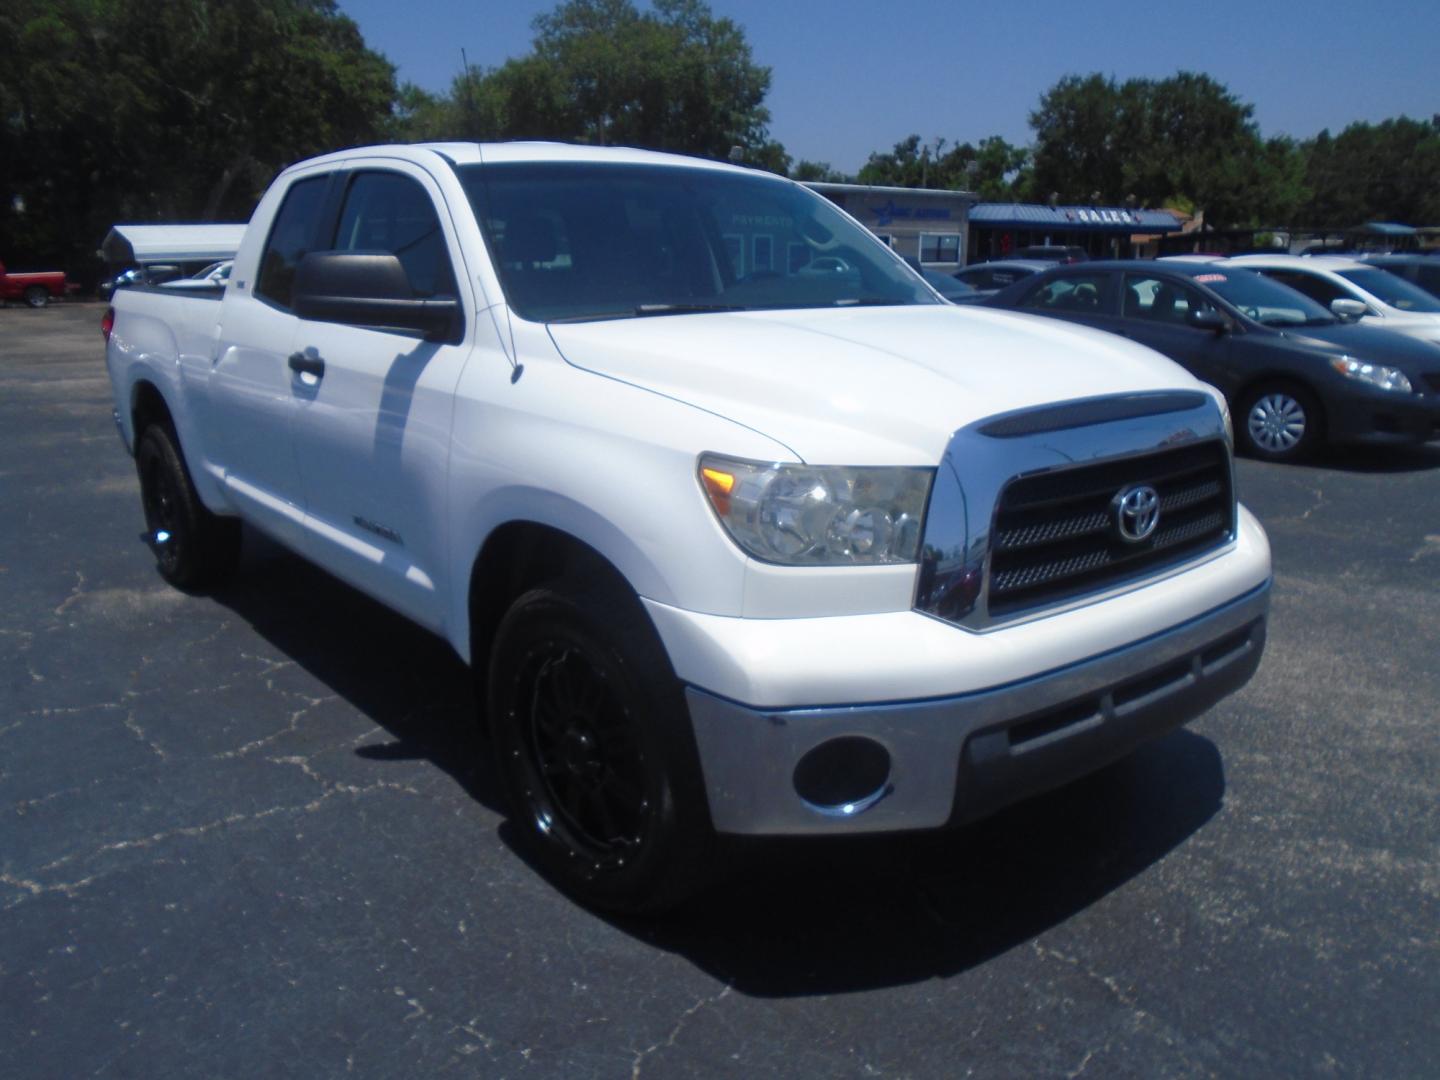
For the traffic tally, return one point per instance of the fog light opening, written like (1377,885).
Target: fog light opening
(843,777)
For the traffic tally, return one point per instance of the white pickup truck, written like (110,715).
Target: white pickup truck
(731,548)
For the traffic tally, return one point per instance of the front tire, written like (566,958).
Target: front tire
(1280,422)
(193,547)
(593,749)
(36,296)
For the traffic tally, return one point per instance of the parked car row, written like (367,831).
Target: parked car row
(1306,350)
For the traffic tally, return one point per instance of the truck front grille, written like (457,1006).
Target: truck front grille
(1056,534)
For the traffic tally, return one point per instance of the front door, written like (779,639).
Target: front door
(1157,311)
(372,432)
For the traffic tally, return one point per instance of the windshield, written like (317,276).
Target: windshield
(1395,291)
(577,241)
(1264,299)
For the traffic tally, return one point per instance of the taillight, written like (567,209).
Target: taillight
(108,322)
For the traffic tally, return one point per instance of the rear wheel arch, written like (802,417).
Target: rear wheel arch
(148,406)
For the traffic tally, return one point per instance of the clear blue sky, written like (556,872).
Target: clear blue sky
(851,77)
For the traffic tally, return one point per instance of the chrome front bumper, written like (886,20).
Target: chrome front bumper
(958,758)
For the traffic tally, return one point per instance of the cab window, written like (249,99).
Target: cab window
(291,239)
(389,212)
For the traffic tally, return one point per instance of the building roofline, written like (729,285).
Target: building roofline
(825,187)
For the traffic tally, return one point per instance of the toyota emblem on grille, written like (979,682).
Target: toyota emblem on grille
(1137,512)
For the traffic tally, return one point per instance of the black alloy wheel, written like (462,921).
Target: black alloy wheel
(593,749)
(586,766)
(193,547)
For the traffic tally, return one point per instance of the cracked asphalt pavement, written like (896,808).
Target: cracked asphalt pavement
(250,834)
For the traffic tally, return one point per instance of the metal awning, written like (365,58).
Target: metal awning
(1382,228)
(1073,218)
(126,244)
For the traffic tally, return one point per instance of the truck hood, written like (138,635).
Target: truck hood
(864,386)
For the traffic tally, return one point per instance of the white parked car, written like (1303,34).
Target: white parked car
(1352,288)
(766,554)
(213,276)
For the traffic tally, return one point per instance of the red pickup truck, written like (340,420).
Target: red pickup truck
(35,289)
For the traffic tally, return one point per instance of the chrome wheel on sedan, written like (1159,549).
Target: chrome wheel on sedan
(1281,423)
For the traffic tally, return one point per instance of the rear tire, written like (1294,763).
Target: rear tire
(193,547)
(1279,422)
(36,296)
(593,749)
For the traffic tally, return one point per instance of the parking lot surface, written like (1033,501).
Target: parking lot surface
(251,834)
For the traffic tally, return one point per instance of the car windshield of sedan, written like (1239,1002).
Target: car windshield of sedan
(1395,291)
(1263,299)
(576,241)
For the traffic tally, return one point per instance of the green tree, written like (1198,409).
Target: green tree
(821,171)
(994,169)
(1183,138)
(1079,148)
(601,71)
(1373,172)
(117,110)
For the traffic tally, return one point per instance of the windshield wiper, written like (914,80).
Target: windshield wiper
(591,316)
(683,309)
(870,301)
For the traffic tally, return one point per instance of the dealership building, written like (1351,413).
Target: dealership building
(922,223)
(945,230)
(1105,232)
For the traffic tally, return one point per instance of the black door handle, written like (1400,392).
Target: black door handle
(307,365)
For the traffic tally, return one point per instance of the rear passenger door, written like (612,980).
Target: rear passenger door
(372,432)
(251,384)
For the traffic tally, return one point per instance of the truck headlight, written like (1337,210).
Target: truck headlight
(818,515)
(1377,375)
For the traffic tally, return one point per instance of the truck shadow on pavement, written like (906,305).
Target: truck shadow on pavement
(405,679)
(817,916)
(831,916)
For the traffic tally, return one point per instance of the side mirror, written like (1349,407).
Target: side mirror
(371,289)
(1208,319)
(1348,309)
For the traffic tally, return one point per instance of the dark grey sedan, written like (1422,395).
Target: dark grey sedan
(1294,374)
(988,278)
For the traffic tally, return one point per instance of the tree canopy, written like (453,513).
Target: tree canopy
(116,110)
(994,169)
(1183,138)
(601,71)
